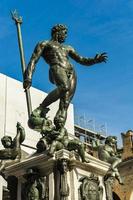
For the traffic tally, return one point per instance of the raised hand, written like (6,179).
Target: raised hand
(101,57)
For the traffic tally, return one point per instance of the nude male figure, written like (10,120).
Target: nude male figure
(61,72)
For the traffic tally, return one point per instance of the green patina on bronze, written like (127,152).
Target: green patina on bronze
(12,148)
(108,152)
(55,138)
(61,72)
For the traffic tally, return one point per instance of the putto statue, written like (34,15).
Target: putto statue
(61,72)
(108,153)
(12,151)
(56,137)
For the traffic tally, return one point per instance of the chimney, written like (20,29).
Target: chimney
(127,144)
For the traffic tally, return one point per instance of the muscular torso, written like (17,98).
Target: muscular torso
(55,53)
(109,149)
(9,153)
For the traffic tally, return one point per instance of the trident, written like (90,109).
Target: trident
(18,21)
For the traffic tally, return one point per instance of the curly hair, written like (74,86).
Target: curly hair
(110,139)
(5,138)
(57,28)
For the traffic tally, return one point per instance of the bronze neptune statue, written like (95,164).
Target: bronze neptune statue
(61,72)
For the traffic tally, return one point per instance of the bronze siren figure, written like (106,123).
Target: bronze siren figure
(61,72)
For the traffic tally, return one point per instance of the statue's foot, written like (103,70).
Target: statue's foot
(44,111)
(85,160)
(120,181)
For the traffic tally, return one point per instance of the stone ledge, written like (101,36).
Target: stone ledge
(46,164)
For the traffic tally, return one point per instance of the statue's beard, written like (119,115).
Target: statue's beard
(61,39)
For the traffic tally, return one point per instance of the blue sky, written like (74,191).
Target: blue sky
(104,91)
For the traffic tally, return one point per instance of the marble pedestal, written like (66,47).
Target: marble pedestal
(48,168)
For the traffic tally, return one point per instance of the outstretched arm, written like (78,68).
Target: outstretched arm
(31,66)
(87,61)
(20,136)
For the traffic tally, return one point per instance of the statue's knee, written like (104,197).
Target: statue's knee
(65,88)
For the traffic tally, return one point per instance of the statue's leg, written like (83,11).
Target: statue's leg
(51,97)
(67,97)
(114,162)
(62,111)
(52,148)
(81,152)
(62,82)
(118,177)
(77,145)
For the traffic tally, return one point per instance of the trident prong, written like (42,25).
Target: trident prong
(16,17)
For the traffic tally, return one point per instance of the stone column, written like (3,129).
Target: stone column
(51,186)
(1,187)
